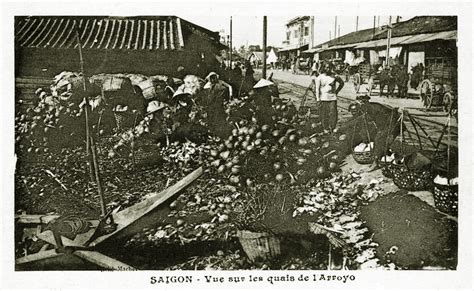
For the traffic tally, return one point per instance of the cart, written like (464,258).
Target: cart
(362,74)
(439,86)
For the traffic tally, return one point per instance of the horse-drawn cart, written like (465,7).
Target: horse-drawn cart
(439,87)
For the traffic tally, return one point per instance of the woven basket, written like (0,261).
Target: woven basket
(259,245)
(148,155)
(387,169)
(411,180)
(446,198)
(363,157)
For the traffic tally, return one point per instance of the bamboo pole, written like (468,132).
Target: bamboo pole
(90,146)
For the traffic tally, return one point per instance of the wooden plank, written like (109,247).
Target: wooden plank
(23,85)
(33,81)
(131,214)
(34,218)
(102,260)
(37,257)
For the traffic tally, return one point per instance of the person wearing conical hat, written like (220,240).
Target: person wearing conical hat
(262,96)
(216,92)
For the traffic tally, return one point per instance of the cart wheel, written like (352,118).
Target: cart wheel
(426,93)
(448,100)
(357,82)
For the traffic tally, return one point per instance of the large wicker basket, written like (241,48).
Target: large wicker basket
(148,155)
(363,157)
(446,198)
(259,245)
(411,180)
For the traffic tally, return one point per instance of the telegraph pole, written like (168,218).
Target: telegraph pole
(264,70)
(389,36)
(357,23)
(335,26)
(230,54)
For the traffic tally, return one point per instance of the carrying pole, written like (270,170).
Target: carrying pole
(90,146)
(86,107)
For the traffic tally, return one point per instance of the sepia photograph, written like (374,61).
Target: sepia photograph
(234,142)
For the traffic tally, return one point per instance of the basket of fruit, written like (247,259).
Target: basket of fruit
(409,179)
(446,194)
(363,153)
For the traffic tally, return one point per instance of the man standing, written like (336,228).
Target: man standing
(326,93)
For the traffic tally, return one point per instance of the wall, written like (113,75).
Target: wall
(198,58)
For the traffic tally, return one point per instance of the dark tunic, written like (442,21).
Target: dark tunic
(213,102)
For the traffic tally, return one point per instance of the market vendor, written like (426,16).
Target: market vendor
(216,92)
(383,125)
(159,114)
(182,103)
(262,96)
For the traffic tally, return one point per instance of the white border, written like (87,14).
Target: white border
(460,279)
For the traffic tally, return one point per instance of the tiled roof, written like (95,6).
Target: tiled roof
(100,32)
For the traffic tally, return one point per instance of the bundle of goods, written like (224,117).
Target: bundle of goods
(69,87)
(446,194)
(363,153)
(412,173)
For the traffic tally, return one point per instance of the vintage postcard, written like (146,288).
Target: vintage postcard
(242,145)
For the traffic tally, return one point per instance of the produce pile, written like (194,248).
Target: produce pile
(283,178)
(335,204)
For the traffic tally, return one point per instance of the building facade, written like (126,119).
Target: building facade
(299,37)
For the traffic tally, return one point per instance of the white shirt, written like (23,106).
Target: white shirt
(323,88)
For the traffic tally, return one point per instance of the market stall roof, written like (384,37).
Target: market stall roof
(425,37)
(341,46)
(313,50)
(409,39)
(292,47)
(104,32)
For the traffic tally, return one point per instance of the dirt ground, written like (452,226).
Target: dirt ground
(409,230)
